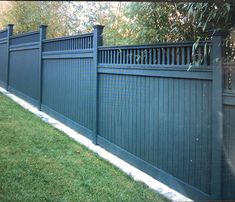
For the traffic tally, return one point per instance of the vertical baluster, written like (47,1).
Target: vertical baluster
(206,55)
(142,56)
(131,56)
(100,59)
(188,55)
(177,55)
(138,56)
(79,43)
(150,53)
(105,57)
(128,56)
(146,56)
(163,55)
(173,56)
(199,57)
(121,53)
(118,56)
(183,55)
(159,56)
(108,57)
(154,56)
(124,56)
(88,42)
(72,42)
(134,57)
(111,56)
(168,55)
(75,44)
(115,57)
(69,44)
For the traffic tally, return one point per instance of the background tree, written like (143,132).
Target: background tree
(125,23)
(28,15)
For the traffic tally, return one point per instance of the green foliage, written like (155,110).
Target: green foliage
(27,16)
(84,15)
(125,23)
(40,163)
(151,22)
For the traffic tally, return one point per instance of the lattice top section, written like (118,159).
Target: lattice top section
(161,54)
(84,41)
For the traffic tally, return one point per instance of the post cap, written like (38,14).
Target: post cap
(10,25)
(219,32)
(98,26)
(43,26)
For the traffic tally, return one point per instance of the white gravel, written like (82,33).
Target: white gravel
(137,174)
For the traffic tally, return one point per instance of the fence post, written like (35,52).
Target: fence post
(217,114)
(97,41)
(9,33)
(42,29)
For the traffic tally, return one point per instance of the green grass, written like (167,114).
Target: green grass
(40,163)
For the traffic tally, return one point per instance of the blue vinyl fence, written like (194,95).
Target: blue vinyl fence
(142,103)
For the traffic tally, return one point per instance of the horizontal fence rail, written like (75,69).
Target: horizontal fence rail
(156,106)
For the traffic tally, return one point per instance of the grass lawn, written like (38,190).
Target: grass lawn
(40,163)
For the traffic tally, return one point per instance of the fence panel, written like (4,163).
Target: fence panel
(228,169)
(24,66)
(147,113)
(68,81)
(163,121)
(228,182)
(3,63)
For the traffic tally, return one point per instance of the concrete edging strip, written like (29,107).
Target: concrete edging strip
(136,174)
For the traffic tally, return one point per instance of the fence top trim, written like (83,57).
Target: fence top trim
(5,30)
(67,37)
(168,44)
(24,34)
